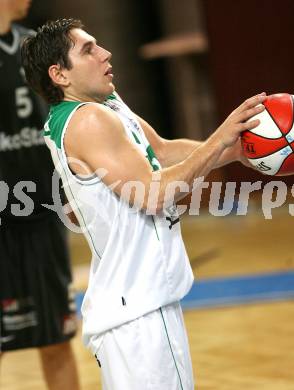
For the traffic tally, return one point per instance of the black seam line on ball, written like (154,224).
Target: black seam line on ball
(283,135)
(261,136)
(282,165)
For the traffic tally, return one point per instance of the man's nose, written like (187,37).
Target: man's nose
(105,55)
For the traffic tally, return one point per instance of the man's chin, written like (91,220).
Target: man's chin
(112,87)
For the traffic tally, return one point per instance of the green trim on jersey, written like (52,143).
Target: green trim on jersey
(136,138)
(111,97)
(59,114)
(152,158)
(57,117)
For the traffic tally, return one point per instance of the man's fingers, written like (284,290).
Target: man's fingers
(251,102)
(250,124)
(247,114)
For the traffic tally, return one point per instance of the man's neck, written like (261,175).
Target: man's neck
(5,23)
(84,98)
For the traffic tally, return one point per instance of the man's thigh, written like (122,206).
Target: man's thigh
(151,352)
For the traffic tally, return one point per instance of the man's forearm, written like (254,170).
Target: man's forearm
(178,150)
(197,164)
(172,152)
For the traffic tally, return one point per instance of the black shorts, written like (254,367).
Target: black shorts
(37,306)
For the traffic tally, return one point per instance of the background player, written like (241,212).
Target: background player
(36,303)
(132,319)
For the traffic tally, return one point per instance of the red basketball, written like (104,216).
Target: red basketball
(269,147)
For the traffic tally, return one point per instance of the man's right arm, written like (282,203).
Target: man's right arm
(96,137)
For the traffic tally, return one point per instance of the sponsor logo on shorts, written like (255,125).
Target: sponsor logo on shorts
(19,321)
(10,305)
(18,313)
(6,339)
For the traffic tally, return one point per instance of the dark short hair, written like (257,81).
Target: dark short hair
(49,46)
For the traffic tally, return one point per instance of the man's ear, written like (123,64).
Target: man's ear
(58,76)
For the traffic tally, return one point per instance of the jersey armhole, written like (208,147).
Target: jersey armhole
(84,180)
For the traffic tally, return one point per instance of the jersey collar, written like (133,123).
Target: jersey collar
(11,49)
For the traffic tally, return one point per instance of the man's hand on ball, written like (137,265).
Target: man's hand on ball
(239,155)
(234,153)
(238,121)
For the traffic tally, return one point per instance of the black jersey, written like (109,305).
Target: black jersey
(24,156)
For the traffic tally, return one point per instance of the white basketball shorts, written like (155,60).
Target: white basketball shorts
(149,353)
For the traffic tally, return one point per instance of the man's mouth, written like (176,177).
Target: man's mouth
(108,71)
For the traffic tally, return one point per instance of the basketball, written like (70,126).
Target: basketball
(269,147)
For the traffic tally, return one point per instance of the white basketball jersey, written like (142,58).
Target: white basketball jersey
(139,262)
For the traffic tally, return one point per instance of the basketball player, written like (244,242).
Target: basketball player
(36,304)
(133,322)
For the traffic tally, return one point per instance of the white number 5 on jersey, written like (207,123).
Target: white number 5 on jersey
(23,102)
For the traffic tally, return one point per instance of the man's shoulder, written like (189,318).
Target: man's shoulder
(79,118)
(95,120)
(97,114)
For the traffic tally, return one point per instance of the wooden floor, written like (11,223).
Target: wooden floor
(241,347)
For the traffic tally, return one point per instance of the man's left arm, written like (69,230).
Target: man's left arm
(170,152)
